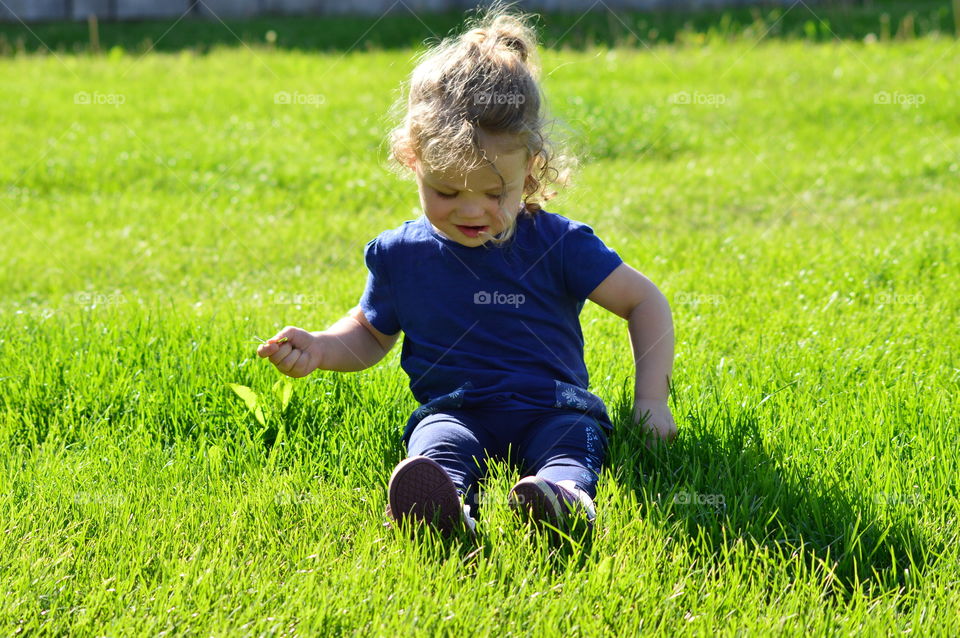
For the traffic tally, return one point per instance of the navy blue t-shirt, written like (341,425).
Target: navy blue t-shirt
(491,325)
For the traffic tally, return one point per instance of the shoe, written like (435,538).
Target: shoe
(545,501)
(421,489)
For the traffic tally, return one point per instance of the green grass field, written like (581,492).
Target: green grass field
(796,201)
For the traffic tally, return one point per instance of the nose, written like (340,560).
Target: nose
(471,210)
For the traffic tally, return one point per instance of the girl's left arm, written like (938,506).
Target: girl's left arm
(629,294)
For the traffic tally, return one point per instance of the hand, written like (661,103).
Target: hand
(657,421)
(297,356)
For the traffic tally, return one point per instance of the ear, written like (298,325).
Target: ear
(406,157)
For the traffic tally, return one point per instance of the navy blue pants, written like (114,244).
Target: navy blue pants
(555,444)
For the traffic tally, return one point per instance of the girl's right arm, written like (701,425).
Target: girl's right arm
(349,345)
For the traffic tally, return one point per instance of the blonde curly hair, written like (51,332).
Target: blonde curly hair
(484,80)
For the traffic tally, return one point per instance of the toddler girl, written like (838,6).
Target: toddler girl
(487,288)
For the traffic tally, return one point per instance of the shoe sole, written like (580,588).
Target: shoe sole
(420,489)
(533,496)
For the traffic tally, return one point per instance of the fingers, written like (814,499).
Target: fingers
(654,440)
(288,361)
(655,437)
(270,348)
(301,368)
(279,352)
(267,349)
(289,351)
(273,345)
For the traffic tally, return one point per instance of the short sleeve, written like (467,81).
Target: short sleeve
(587,261)
(377,301)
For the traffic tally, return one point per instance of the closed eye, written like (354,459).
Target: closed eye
(452,195)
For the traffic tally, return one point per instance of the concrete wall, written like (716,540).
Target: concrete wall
(38,10)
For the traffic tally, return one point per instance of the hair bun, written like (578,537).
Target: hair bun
(514,43)
(505,33)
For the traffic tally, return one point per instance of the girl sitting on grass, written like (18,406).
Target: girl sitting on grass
(487,288)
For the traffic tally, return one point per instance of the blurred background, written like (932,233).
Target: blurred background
(76,25)
(139,9)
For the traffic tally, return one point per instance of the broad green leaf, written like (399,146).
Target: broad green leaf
(284,387)
(250,399)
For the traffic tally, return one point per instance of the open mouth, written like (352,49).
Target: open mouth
(472,231)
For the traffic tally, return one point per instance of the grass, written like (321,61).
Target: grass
(796,201)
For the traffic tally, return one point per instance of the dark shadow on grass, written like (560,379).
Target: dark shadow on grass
(577,30)
(719,480)
(729,486)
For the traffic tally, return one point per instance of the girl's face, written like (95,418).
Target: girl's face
(462,206)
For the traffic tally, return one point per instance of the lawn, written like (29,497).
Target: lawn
(796,200)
